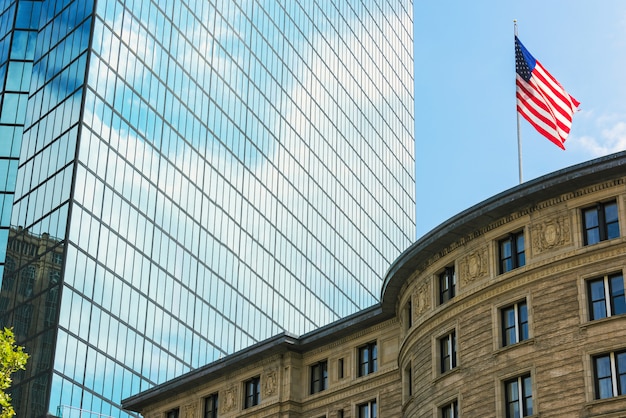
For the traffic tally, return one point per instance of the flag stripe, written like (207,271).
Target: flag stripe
(537,113)
(541,99)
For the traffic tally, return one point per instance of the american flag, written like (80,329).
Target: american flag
(541,100)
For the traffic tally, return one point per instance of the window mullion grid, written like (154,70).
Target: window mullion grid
(607,297)
(613,374)
(520,396)
(602,227)
(449,343)
(518,329)
(514,255)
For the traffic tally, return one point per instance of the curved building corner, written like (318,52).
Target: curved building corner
(514,307)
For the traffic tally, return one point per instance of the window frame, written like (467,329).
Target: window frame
(616,376)
(447,284)
(450,409)
(340,369)
(408,382)
(371,362)
(372,409)
(252,397)
(603,226)
(609,296)
(517,258)
(522,396)
(212,400)
(448,352)
(173,413)
(322,381)
(408,315)
(520,327)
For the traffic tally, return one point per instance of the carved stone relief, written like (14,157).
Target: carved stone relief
(551,233)
(190,411)
(230,396)
(422,299)
(269,383)
(474,265)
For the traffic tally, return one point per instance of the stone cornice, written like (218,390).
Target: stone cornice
(523,200)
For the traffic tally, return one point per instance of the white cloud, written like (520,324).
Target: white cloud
(610,136)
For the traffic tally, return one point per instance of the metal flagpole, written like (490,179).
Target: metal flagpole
(519,131)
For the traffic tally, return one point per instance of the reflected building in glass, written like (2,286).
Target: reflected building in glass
(180,179)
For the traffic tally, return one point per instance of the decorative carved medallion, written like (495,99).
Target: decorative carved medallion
(422,299)
(269,383)
(551,233)
(230,395)
(474,266)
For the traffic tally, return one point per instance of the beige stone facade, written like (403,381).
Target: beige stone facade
(284,366)
(527,333)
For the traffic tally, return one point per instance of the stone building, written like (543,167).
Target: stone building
(514,307)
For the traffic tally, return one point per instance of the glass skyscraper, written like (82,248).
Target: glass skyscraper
(182,178)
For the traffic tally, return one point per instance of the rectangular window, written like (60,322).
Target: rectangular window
(408,316)
(450,410)
(514,323)
(408,382)
(518,397)
(512,252)
(610,375)
(368,410)
(447,285)
(600,222)
(340,373)
(447,350)
(252,391)
(172,414)
(210,406)
(319,376)
(368,359)
(606,296)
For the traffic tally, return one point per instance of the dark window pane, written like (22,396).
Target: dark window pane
(597,299)
(523,318)
(603,377)
(612,225)
(528,399)
(592,229)
(618,301)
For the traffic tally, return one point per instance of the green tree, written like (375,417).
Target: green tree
(12,359)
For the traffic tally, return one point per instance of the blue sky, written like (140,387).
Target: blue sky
(465,117)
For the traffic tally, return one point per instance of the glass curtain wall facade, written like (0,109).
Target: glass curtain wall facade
(185,178)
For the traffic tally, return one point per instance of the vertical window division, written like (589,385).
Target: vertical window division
(600,222)
(368,359)
(514,323)
(450,410)
(610,374)
(512,252)
(606,296)
(447,285)
(252,392)
(210,406)
(172,414)
(518,397)
(319,376)
(447,350)
(368,410)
